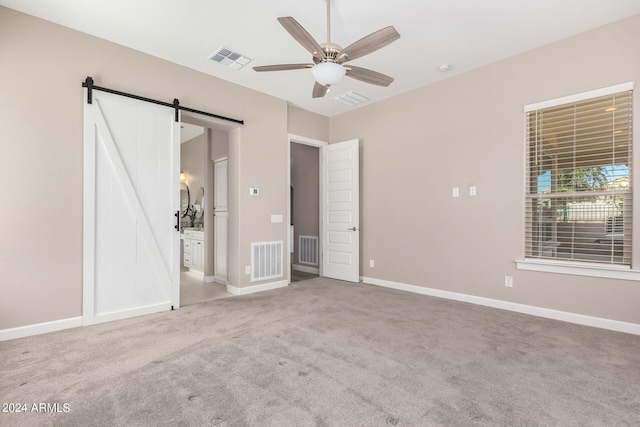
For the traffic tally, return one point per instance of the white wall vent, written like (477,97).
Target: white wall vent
(266,260)
(308,250)
(229,58)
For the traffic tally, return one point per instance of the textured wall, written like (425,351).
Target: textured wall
(42,115)
(469,130)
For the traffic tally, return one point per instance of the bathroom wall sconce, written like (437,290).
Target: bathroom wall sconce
(183,177)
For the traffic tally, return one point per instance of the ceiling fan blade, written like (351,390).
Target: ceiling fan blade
(368,76)
(319,90)
(302,36)
(282,67)
(368,44)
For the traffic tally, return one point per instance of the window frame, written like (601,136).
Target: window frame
(566,266)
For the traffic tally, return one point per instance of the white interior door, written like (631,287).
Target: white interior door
(220,220)
(220,242)
(340,187)
(131,194)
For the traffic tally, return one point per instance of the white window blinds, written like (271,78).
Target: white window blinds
(578,203)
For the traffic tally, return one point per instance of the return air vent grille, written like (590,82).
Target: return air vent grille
(350,98)
(308,250)
(266,260)
(229,58)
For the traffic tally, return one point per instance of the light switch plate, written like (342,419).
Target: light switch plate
(455,192)
(276,218)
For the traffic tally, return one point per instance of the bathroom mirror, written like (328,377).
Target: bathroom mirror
(185,199)
(198,203)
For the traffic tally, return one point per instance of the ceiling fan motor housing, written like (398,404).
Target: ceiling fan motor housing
(331,51)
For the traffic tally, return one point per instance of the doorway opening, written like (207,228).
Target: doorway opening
(337,244)
(304,208)
(204,214)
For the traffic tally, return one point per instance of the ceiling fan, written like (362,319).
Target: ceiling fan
(328,58)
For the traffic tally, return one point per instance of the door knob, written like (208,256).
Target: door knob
(352,229)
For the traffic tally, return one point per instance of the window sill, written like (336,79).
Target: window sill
(578,269)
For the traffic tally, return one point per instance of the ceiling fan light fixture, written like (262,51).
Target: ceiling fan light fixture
(328,73)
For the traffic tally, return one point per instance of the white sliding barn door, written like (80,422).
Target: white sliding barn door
(340,187)
(131,193)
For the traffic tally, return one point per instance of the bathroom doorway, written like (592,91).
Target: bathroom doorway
(203,235)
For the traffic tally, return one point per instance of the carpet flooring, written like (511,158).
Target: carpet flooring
(298,276)
(325,353)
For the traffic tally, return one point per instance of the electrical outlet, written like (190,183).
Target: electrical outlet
(247,270)
(372,264)
(472,190)
(508,281)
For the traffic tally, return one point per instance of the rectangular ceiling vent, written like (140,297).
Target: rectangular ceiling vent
(350,98)
(229,58)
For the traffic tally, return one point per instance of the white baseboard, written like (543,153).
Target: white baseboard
(257,288)
(220,280)
(138,311)
(40,328)
(209,279)
(305,269)
(196,271)
(580,319)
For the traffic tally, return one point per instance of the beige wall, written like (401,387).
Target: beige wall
(220,144)
(469,130)
(308,124)
(41,115)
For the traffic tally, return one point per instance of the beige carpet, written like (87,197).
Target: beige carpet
(298,276)
(326,353)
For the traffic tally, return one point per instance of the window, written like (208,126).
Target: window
(578,188)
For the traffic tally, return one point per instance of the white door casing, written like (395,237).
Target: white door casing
(340,194)
(131,192)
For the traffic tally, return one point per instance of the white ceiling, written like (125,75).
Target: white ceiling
(466,34)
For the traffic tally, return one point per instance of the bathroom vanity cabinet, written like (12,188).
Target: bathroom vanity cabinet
(193,245)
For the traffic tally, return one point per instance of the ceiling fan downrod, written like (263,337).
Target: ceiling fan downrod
(328,21)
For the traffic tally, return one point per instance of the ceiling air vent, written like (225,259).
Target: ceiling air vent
(350,98)
(229,58)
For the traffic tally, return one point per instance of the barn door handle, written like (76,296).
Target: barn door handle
(177,215)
